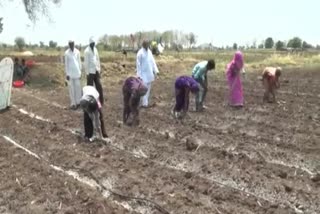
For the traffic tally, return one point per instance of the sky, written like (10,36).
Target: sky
(220,22)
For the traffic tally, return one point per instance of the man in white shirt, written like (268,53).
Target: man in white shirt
(92,67)
(73,74)
(147,70)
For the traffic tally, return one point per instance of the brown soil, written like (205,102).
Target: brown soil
(259,159)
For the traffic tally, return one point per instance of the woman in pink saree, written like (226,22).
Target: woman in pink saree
(234,69)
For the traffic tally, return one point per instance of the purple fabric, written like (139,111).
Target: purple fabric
(187,82)
(135,84)
(234,81)
(181,85)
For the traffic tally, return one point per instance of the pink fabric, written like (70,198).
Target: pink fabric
(234,81)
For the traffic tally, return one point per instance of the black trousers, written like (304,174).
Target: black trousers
(95,78)
(88,125)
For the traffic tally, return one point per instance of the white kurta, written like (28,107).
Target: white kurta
(146,66)
(73,70)
(91,61)
(147,70)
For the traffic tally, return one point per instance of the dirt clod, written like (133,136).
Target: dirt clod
(287,187)
(283,175)
(316,178)
(188,175)
(191,144)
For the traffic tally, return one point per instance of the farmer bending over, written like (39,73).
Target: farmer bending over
(93,117)
(199,73)
(270,79)
(183,86)
(133,89)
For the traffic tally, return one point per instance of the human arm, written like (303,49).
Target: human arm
(79,61)
(138,64)
(98,60)
(86,62)
(154,66)
(277,83)
(66,66)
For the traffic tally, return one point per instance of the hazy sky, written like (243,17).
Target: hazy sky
(220,22)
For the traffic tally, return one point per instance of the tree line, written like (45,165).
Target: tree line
(171,40)
(269,43)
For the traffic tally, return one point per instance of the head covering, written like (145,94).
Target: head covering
(89,104)
(238,59)
(91,40)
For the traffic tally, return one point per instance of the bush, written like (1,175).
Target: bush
(20,43)
(269,43)
(296,42)
(235,46)
(279,45)
(52,44)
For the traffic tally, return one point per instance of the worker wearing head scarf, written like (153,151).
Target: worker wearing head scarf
(133,89)
(93,117)
(73,74)
(183,86)
(93,68)
(234,69)
(270,79)
(147,69)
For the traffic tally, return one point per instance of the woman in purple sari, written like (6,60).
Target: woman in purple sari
(234,69)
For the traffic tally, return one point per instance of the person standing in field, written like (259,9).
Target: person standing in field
(93,117)
(199,73)
(233,73)
(183,86)
(73,74)
(133,89)
(270,80)
(147,70)
(93,68)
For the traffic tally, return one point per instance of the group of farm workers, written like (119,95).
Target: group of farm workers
(136,89)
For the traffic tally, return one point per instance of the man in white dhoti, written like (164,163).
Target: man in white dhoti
(73,74)
(147,70)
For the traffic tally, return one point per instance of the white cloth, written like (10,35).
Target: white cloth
(146,66)
(90,91)
(91,60)
(75,91)
(145,98)
(73,63)
(91,40)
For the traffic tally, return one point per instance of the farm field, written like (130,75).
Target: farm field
(260,159)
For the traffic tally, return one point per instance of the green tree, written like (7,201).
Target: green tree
(53,44)
(306,45)
(192,39)
(41,44)
(34,8)
(235,46)
(20,43)
(295,42)
(279,45)
(269,43)
(1,25)
(261,46)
